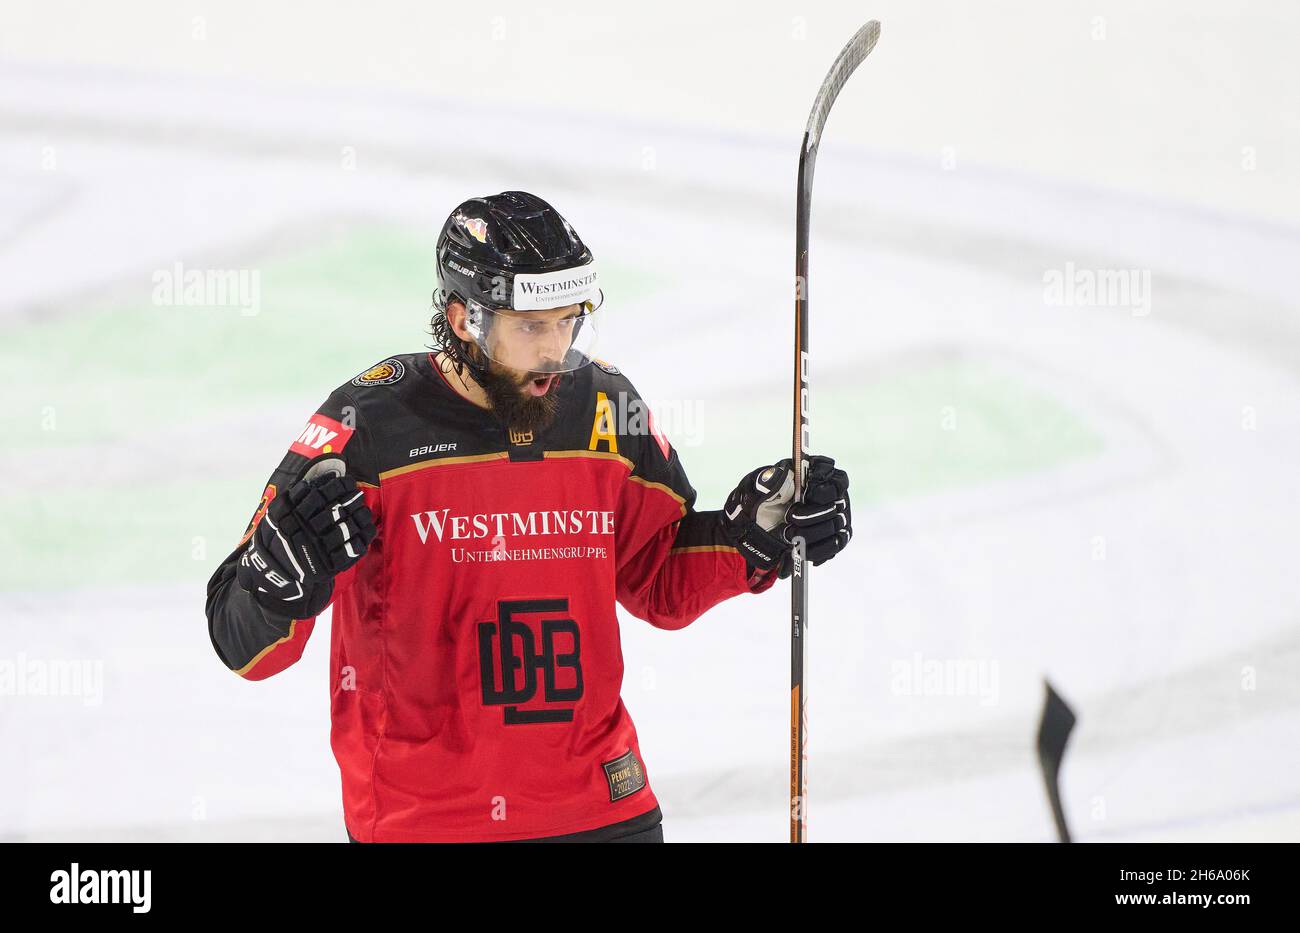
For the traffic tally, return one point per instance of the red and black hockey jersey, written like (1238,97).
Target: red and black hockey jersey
(475,661)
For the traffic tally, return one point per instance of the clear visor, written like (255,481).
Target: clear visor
(558,340)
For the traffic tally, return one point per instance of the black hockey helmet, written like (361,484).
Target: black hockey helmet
(514,252)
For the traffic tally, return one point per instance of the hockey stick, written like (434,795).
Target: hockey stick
(863,41)
(1053,733)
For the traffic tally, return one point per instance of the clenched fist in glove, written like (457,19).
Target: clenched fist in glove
(319,528)
(762,518)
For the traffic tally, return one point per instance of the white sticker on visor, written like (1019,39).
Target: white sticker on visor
(542,290)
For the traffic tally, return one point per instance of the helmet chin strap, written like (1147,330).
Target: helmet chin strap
(476,370)
(458,345)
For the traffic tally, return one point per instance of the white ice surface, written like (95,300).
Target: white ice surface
(1198,589)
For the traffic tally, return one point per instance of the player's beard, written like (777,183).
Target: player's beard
(505,390)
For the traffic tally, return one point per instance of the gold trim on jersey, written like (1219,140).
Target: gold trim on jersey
(703,548)
(548,455)
(662,488)
(442,461)
(293,626)
(591,454)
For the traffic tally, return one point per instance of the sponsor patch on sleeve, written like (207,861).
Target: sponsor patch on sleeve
(322,435)
(625,776)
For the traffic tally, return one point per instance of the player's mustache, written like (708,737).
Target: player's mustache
(530,376)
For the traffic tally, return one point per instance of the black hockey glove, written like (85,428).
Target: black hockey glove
(755,514)
(315,531)
(823,518)
(762,519)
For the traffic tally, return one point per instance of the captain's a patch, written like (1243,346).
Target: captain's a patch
(608,367)
(625,776)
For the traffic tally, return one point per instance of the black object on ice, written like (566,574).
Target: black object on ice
(1053,733)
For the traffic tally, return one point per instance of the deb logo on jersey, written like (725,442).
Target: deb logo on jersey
(516,656)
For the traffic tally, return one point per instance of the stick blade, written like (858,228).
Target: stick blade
(850,57)
(1054,728)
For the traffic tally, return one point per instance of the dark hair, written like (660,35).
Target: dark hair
(455,351)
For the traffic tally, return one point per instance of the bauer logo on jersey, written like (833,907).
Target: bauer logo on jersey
(322,435)
(625,776)
(541,290)
(385,373)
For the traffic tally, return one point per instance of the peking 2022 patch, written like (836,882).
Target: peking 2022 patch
(625,776)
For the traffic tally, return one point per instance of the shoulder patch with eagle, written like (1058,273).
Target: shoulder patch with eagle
(381,374)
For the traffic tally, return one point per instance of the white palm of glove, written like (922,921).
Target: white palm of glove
(776,485)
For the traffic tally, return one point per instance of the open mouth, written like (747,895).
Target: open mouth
(542,384)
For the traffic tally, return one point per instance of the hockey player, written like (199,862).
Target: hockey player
(472,515)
